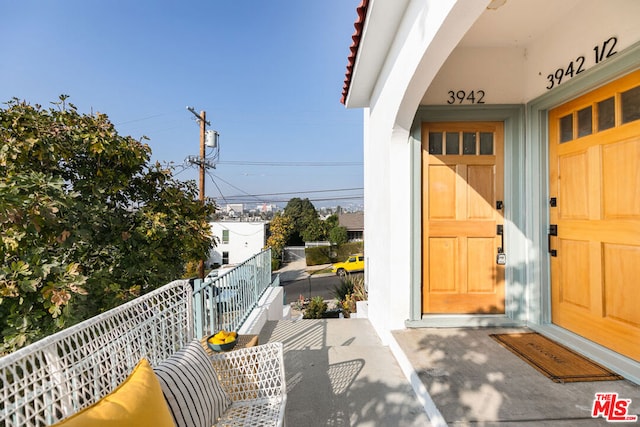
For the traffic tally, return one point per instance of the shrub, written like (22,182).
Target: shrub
(350,291)
(338,235)
(345,288)
(343,251)
(318,255)
(359,290)
(316,308)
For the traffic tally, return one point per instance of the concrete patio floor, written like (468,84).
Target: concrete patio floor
(339,374)
(474,381)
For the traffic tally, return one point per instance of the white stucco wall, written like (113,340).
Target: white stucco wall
(245,240)
(497,71)
(387,154)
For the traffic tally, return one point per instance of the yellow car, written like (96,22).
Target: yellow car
(353,264)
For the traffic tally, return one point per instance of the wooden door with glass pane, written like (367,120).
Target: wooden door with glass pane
(462,194)
(594,154)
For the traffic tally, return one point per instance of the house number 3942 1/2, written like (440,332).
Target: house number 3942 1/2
(464,97)
(578,65)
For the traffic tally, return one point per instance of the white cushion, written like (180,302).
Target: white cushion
(191,388)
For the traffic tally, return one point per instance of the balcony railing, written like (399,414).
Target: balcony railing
(227,301)
(59,375)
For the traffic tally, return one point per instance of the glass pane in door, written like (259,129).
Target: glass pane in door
(469,143)
(486,143)
(630,105)
(606,114)
(453,143)
(584,122)
(435,143)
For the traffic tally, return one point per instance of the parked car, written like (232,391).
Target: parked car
(354,263)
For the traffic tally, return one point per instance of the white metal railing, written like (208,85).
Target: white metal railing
(226,301)
(55,377)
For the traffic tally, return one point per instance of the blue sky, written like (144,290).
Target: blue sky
(269,74)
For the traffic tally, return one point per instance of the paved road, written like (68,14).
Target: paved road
(311,287)
(323,286)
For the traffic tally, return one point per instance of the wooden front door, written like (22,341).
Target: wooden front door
(594,156)
(462,190)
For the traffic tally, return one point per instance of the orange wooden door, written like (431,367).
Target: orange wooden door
(594,157)
(462,182)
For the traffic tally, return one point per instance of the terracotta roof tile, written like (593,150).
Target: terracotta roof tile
(355,45)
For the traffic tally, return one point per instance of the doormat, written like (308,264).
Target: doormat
(555,361)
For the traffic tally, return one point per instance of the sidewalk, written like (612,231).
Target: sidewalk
(339,374)
(298,270)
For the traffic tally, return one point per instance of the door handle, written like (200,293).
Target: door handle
(553,231)
(501,258)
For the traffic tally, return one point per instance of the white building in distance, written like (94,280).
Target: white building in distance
(237,241)
(234,209)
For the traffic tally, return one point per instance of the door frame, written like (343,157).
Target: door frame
(537,178)
(461,230)
(513,118)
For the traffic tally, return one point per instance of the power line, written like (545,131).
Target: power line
(140,120)
(298,192)
(288,164)
(216,184)
(249,198)
(246,197)
(355,197)
(335,198)
(239,189)
(182,169)
(285,200)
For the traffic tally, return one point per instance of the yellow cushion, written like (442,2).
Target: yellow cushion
(138,401)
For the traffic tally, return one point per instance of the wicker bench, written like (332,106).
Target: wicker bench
(60,375)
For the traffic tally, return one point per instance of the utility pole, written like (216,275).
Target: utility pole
(203,129)
(202,118)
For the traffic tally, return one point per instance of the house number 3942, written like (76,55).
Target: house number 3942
(575,67)
(465,97)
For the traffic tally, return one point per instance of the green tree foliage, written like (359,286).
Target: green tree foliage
(332,221)
(279,231)
(315,230)
(87,222)
(338,235)
(308,227)
(303,215)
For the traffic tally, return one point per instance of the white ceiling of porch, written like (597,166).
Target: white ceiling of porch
(517,22)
